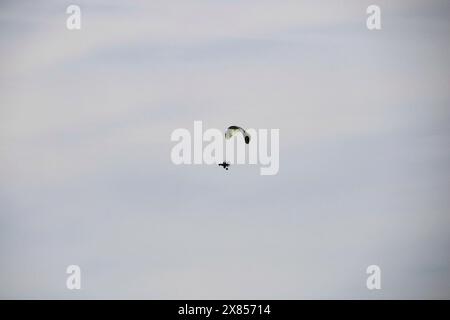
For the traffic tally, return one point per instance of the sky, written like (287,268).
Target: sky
(86,176)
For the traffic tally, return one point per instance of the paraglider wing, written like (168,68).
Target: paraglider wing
(233,130)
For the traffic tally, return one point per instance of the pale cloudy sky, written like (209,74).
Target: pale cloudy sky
(85,170)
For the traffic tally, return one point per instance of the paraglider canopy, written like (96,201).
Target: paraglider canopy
(233,130)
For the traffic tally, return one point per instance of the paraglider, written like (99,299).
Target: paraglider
(230,132)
